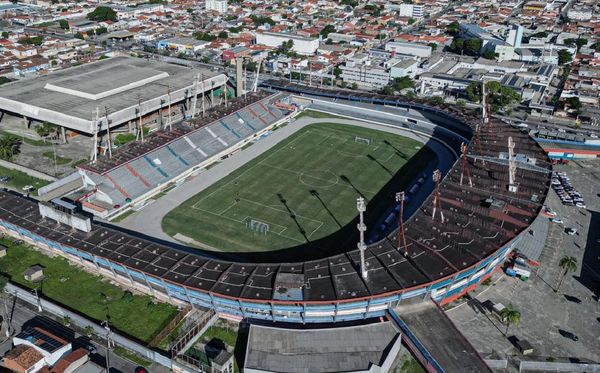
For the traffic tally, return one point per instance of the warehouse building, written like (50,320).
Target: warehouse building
(302,45)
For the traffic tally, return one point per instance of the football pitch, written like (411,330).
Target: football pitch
(303,189)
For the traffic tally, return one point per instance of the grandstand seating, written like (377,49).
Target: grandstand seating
(134,171)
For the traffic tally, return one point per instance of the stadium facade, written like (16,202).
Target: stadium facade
(445,256)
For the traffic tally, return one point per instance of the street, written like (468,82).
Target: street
(23,315)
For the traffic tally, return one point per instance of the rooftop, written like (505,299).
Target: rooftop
(342,349)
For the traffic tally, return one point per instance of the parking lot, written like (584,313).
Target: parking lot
(547,317)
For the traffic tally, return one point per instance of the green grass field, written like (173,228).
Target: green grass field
(304,188)
(19,179)
(136,315)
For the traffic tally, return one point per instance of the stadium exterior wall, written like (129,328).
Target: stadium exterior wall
(441,291)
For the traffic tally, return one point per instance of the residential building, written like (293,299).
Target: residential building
(408,49)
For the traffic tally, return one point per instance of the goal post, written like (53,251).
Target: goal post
(257,226)
(363,140)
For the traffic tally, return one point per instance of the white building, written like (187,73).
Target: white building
(366,73)
(408,49)
(302,45)
(580,13)
(411,10)
(216,5)
(407,67)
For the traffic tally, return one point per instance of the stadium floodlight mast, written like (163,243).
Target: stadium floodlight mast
(400,199)
(437,203)
(362,228)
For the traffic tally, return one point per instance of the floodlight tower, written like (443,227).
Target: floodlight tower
(194,97)
(512,167)
(463,164)
(362,228)
(400,198)
(169,106)
(437,203)
(95,120)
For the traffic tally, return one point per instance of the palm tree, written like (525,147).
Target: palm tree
(569,264)
(510,316)
(8,146)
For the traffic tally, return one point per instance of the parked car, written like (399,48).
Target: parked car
(4,179)
(569,335)
(571,231)
(28,188)
(556,220)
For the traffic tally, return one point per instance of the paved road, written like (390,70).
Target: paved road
(545,313)
(24,314)
(148,221)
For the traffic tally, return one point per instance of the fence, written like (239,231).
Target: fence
(25,170)
(547,366)
(170,326)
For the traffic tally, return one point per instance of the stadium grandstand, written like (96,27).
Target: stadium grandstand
(485,209)
(139,169)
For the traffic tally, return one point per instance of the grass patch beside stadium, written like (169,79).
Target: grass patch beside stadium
(136,315)
(20,179)
(303,189)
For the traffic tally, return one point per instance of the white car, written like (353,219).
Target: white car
(556,220)
(28,188)
(581,205)
(571,231)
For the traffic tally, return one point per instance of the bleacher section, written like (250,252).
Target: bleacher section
(139,168)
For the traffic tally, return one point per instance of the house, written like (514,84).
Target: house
(34,273)
(23,359)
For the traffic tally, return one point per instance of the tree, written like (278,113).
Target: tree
(457,45)
(337,72)
(489,54)
(327,30)
(261,20)
(286,46)
(79,35)
(453,28)
(101,30)
(437,100)
(568,264)
(579,42)
(46,129)
(223,35)
(433,46)
(461,103)
(564,56)
(9,146)
(574,103)
(472,47)
(354,86)
(204,36)
(64,24)
(88,331)
(5,35)
(510,316)
(473,92)
(595,46)
(401,83)
(102,13)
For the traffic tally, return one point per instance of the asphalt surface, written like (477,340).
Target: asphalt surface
(148,220)
(545,314)
(24,315)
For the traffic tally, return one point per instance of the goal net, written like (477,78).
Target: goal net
(257,226)
(363,140)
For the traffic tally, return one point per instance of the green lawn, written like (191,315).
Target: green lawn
(130,355)
(227,335)
(19,179)
(91,295)
(304,188)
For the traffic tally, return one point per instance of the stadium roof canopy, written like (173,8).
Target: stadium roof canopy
(114,86)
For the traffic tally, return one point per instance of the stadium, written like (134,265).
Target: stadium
(471,217)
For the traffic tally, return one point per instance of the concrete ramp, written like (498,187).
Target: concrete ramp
(435,340)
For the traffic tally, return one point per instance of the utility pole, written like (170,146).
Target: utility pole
(107,327)
(38,301)
(95,120)
(6,318)
(362,228)
(169,106)
(109,141)
(140,133)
